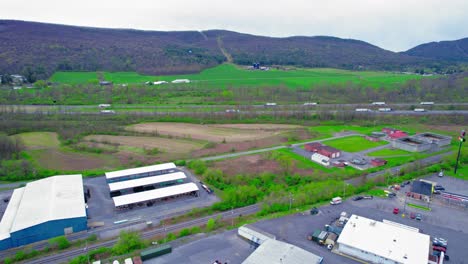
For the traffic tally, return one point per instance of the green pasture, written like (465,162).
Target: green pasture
(228,74)
(353,143)
(388,153)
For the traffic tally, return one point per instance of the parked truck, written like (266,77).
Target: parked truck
(318,236)
(333,229)
(331,239)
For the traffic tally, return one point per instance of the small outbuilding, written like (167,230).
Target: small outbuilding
(378,162)
(329,152)
(312,147)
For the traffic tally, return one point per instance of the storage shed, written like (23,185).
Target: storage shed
(329,152)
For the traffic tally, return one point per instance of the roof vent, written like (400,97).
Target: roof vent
(394,240)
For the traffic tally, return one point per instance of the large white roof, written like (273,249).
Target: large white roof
(396,242)
(115,186)
(276,252)
(122,173)
(53,198)
(154,194)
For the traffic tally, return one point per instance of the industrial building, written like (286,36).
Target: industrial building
(147,183)
(142,172)
(271,251)
(411,144)
(44,209)
(433,138)
(383,242)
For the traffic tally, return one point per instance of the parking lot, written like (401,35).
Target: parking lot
(448,223)
(101,207)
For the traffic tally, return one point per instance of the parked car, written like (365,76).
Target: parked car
(438,241)
(418,217)
(314,211)
(436,192)
(439,188)
(412,215)
(396,210)
(442,249)
(357,198)
(368,197)
(391,195)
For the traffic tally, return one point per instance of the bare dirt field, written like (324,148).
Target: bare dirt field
(259,126)
(165,144)
(239,146)
(214,133)
(254,165)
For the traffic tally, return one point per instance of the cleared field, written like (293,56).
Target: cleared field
(46,152)
(388,153)
(39,140)
(213,133)
(164,144)
(228,74)
(259,126)
(353,143)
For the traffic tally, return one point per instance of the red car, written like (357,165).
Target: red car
(412,215)
(396,210)
(439,249)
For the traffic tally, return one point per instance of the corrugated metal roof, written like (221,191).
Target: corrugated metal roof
(276,252)
(115,186)
(122,173)
(154,194)
(10,213)
(394,242)
(53,198)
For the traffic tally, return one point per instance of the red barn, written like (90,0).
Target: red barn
(329,152)
(312,147)
(378,162)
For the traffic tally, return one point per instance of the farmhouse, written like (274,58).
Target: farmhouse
(383,242)
(378,162)
(329,152)
(394,133)
(43,209)
(312,147)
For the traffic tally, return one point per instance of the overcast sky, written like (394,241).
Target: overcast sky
(391,24)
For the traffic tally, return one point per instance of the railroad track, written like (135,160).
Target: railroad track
(67,255)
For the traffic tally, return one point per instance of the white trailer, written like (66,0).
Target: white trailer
(427,103)
(385,109)
(420,110)
(362,110)
(320,159)
(378,103)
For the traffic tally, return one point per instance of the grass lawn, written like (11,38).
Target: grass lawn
(376,192)
(419,207)
(34,140)
(388,153)
(305,163)
(229,74)
(353,143)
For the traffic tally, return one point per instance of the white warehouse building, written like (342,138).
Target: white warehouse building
(383,242)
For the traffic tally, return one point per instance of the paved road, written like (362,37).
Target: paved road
(395,170)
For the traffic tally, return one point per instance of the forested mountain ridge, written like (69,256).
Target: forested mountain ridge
(456,50)
(39,49)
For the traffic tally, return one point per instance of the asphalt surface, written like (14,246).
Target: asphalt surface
(229,248)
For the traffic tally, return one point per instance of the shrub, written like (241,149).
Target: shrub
(195,230)
(20,255)
(92,238)
(184,232)
(128,241)
(60,242)
(210,225)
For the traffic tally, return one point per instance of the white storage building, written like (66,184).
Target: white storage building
(320,159)
(141,172)
(383,242)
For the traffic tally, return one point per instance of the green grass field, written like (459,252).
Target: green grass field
(388,153)
(353,143)
(228,74)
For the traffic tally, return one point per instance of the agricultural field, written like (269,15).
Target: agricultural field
(213,133)
(353,143)
(45,150)
(232,75)
(141,143)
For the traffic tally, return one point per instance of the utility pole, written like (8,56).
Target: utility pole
(462,139)
(232,216)
(290,201)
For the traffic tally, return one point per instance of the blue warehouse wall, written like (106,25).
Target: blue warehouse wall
(46,230)
(5,243)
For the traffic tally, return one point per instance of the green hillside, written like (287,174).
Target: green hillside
(231,75)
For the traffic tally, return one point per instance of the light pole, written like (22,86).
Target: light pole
(461,138)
